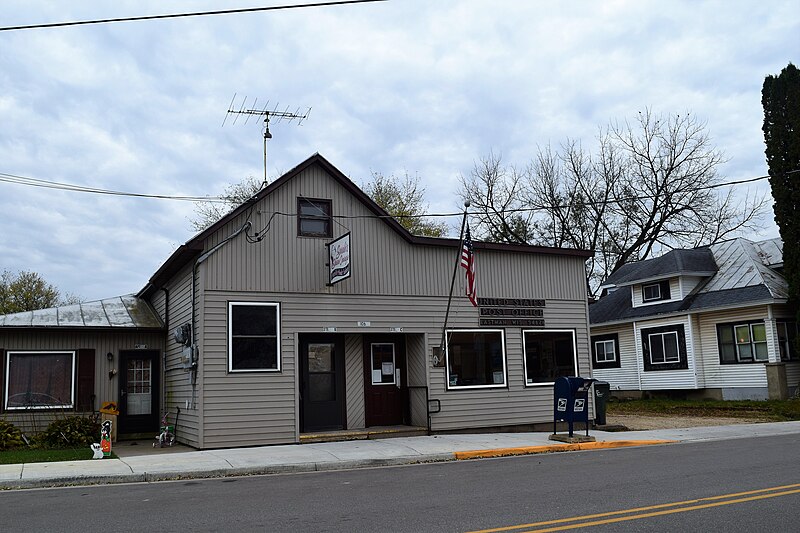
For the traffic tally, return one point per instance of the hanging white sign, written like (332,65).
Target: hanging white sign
(339,259)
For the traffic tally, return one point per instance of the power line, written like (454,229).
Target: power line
(185,15)
(34,182)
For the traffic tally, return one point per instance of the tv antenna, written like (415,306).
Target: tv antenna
(254,111)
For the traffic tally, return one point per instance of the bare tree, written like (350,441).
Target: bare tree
(234,195)
(650,186)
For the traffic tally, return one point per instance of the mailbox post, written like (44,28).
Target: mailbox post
(571,401)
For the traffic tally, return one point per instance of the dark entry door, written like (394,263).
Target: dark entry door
(138,391)
(385,380)
(322,388)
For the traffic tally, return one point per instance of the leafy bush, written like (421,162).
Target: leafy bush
(10,436)
(70,431)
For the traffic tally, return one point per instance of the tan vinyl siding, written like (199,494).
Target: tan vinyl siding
(626,377)
(382,261)
(394,284)
(515,404)
(417,360)
(102,342)
(354,381)
(270,397)
(255,408)
(177,381)
(666,379)
(717,375)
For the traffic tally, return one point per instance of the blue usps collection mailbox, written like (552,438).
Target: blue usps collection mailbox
(571,401)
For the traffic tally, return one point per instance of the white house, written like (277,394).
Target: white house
(710,322)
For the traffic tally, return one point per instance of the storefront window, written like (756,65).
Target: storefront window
(549,355)
(475,359)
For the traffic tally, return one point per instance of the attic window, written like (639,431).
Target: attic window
(314,218)
(654,292)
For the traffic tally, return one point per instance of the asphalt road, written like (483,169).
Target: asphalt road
(533,493)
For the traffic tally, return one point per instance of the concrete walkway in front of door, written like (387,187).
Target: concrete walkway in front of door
(179,464)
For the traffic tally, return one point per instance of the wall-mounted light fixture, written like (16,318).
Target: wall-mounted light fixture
(110,357)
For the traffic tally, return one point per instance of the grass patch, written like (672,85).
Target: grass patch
(28,455)
(774,410)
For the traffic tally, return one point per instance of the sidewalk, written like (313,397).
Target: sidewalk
(348,454)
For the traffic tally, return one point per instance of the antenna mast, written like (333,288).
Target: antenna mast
(279,116)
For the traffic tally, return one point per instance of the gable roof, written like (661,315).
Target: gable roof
(741,279)
(699,261)
(122,312)
(194,247)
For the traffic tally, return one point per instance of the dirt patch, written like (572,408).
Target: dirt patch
(642,422)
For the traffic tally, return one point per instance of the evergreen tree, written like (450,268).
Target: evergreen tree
(780,97)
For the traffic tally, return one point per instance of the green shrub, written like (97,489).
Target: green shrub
(70,431)
(10,436)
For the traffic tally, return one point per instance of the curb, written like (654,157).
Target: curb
(324,466)
(551,448)
(150,477)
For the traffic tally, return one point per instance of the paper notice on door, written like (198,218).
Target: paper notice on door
(387,369)
(376,376)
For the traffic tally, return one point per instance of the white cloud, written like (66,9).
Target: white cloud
(423,87)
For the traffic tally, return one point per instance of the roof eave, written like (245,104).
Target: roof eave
(769,301)
(665,275)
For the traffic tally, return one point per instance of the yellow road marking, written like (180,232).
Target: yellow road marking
(525,450)
(660,513)
(651,508)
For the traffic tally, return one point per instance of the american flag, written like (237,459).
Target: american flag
(468,262)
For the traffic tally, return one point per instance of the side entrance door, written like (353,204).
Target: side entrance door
(385,380)
(139,388)
(322,395)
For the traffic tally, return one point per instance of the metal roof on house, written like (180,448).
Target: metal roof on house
(741,265)
(121,312)
(743,277)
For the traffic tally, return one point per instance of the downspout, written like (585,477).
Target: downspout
(195,350)
(166,327)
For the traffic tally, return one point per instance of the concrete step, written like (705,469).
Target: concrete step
(363,434)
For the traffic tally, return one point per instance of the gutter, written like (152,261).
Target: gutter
(197,263)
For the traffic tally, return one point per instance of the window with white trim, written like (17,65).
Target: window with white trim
(549,354)
(787,340)
(651,292)
(40,380)
(742,342)
(656,291)
(605,351)
(664,348)
(475,359)
(253,337)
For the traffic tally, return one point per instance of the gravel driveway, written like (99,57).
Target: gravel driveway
(640,422)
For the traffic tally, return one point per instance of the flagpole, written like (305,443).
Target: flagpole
(455,271)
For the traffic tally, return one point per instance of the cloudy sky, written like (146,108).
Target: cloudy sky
(405,85)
